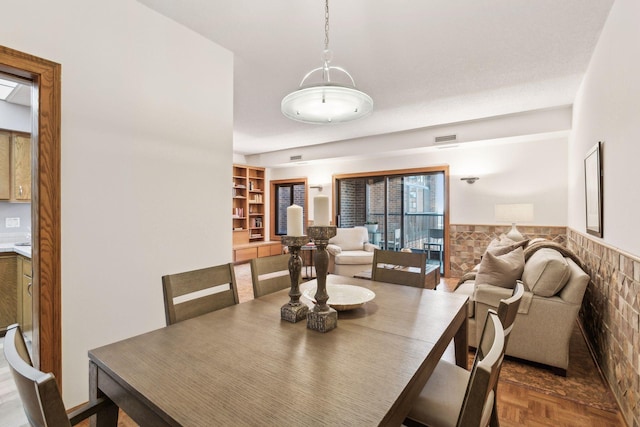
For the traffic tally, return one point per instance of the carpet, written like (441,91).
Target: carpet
(583,383)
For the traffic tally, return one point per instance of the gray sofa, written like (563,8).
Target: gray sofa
(554,287)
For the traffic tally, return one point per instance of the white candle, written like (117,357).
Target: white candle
(294,220)
(321,210)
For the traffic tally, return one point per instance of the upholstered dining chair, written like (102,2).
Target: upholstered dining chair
(455,397)
(39,391)
(401,268)
(193,293)
(270,274)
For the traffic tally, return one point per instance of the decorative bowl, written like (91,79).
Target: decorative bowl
(343,297)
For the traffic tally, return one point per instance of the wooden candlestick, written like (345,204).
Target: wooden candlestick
(322,318)
(294,310)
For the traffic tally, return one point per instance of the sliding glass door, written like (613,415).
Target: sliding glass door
(401,210)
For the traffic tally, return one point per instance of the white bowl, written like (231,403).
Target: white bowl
(343,297)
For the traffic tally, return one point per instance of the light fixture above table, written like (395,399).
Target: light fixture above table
(326,102)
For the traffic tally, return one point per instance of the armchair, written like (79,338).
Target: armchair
(350,251)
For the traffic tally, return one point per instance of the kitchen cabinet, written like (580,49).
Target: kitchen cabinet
(21,167)
(25,295)
(5,165)
(15,166)
(8,289)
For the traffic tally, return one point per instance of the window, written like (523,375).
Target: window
(284,194)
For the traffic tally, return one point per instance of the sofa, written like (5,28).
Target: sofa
(350,251)
(554,285)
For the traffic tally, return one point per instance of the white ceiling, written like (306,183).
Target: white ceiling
(424,63)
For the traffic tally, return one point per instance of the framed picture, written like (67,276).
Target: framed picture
(593,190)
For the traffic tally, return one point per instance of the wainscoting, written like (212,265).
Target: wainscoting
(468,242)
(610,315)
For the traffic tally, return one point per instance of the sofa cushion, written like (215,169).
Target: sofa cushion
(354,257)
(503,245)
(546,272)
(350,239)
(501,270)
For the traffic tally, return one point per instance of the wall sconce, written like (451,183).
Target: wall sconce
(318,187)
(470,179)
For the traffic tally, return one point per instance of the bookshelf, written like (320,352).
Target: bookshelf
(248,204)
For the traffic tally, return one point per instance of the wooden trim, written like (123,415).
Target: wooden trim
(429,169)
(46,77)
(272,204)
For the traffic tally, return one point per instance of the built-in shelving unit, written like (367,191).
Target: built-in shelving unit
(248,204)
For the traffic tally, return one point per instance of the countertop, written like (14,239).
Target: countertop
(11,247)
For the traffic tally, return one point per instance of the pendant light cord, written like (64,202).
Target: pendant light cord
(326,25)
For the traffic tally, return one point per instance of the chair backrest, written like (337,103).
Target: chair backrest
(401,268)
(38,390)
(270,274)
(350,239)
(478,402)
(436,233)
(508,309)
(193,293)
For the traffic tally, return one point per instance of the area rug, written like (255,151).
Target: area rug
(583,383)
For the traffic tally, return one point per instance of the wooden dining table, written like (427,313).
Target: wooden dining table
(243,365)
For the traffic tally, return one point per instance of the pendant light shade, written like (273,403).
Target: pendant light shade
(326,102)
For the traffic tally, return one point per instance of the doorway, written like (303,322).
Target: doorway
(45,198)
(402,209)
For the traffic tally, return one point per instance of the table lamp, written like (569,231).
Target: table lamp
(514,213)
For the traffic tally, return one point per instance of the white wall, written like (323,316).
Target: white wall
(607,109)
(523,172)
(145,171)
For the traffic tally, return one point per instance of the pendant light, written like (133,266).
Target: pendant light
(326,102)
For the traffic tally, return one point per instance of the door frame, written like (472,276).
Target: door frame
(45,203)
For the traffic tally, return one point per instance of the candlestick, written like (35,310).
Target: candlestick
(294,310)
(294,221)
(322,318)
(321,210)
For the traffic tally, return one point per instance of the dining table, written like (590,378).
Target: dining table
(244,365)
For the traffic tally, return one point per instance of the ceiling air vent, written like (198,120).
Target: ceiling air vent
(295,158)
(445,139)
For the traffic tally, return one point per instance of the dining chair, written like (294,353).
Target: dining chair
(193,293)
(507,312)
(455,397)
(270,274)
(401,268)
(395,243)
(39,392)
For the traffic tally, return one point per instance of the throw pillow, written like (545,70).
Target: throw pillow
(546,272)
(503,245)
(501,270)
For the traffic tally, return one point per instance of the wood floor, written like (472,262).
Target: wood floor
(517,405)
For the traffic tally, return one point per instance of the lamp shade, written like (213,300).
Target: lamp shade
(325,104)
(514,213)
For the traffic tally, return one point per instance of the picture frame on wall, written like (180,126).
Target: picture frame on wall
(593,189)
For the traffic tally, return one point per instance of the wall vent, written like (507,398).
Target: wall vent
(295,158)
(446,139)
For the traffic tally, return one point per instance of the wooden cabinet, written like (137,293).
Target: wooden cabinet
(21,167)
(248,215)
(8,289)
(246,252)
(25,295)
(15,166)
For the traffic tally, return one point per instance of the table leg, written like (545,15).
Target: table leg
(107,417)
(460,341)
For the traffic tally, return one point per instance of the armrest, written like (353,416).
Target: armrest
(490,295)
(333,249)
(370,247)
